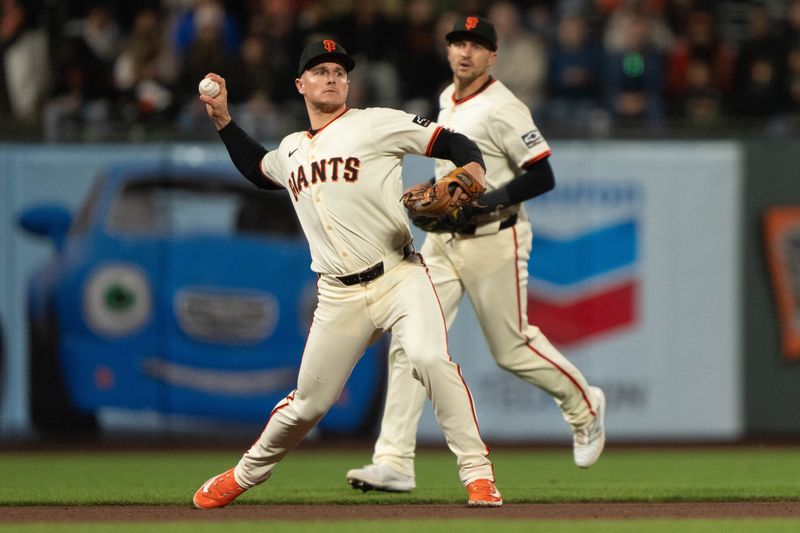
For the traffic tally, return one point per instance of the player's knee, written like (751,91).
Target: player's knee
(310,410)
(505,365)
(506,362)
(426,358)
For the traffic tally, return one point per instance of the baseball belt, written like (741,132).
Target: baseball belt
(375,271)
(470,229)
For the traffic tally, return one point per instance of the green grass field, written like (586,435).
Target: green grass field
(317,476)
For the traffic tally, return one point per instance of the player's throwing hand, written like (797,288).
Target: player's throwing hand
(217,107)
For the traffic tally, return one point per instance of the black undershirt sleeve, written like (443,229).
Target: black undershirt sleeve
(536,180)
(457,148)
(246,154)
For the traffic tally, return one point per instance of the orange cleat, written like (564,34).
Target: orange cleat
(218,491)
(483,493)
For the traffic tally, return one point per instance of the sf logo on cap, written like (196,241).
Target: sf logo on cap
(472,23)
(329,45)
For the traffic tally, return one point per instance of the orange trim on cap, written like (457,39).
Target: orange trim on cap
(432,141)
(311,135)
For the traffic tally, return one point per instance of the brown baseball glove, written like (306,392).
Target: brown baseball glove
(442,197)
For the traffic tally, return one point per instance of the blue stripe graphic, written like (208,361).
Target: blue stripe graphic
(564,262)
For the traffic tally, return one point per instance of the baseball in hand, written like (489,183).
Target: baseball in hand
(208,87)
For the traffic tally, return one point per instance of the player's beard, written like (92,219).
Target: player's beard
(467,76)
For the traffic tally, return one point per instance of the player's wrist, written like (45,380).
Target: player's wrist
(223,121)
(476,170)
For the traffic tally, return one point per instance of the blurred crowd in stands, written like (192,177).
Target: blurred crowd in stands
(89,70)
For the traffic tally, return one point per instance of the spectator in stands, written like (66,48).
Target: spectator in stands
(522,67)
(760,72)
(702,101)
(144,72)
(538,16)
(444,25)
(206,53)
(258,112)
(420,68)
(629,17)
(792,32)
(99,31)
(372,36)
(188,27)
(635,74)
(678,12)
(703,77)
(699,68)
(574,73)
(24,69)
(276,22)
(83,89)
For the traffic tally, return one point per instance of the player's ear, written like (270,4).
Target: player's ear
(492,58)
(298,83)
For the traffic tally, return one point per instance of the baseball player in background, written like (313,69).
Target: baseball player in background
(344,178)
(484,252)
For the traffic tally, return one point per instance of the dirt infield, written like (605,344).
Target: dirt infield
(561,511)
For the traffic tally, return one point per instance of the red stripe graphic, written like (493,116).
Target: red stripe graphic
(579,320)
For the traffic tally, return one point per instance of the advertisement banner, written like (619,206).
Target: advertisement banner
(634,276)
(782,241)
(155,289)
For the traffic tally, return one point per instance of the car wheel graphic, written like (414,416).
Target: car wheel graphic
(51,408)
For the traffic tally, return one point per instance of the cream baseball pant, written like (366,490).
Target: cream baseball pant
(493,271)
(347,319)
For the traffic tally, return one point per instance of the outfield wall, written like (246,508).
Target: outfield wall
(638,278)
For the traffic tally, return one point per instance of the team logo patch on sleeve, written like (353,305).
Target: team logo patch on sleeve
(532,138)
(421,121)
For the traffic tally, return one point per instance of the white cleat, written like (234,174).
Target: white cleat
(380,477)
(588,443)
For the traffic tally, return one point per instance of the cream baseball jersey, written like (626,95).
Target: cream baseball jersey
(500,124)
(345,181)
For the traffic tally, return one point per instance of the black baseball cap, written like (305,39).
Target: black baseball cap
(324,51)
(475,28)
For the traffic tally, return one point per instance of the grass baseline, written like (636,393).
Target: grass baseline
(317,477)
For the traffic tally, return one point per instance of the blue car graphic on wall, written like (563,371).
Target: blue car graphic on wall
(179,290)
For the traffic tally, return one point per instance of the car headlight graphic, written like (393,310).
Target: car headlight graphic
(117,299)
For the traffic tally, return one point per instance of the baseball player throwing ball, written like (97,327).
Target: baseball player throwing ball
(484,252)
(344,177)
